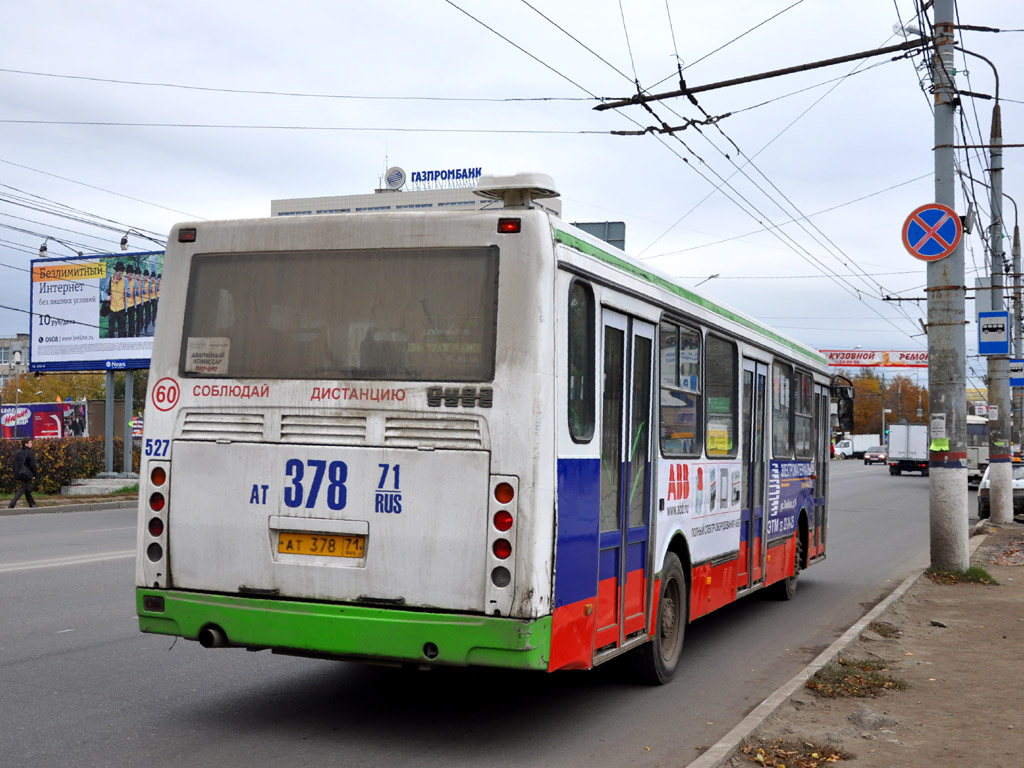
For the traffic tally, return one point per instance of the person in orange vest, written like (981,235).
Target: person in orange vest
(156,296)
(116,293)
(131,297)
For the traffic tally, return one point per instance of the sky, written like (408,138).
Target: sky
(126,117)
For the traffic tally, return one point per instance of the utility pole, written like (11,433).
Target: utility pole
(1000,451)
(947,489)
(1018,327)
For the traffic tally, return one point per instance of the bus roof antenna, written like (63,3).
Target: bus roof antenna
(518,190)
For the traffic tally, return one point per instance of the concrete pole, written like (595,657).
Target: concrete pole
(947,352)
(129,383)
(1000,453)
(1017,393)
(108,442)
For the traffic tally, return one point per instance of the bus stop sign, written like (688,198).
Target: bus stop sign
(932,232)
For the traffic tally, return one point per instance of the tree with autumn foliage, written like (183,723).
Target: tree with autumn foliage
(907,400)
(53,387)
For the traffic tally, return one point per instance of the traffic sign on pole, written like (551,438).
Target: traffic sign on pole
(1017,373)
(993,333)
(932,232)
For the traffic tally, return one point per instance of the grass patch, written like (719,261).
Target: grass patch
(885,629)
(973,575)
(130,490)
(860,678)
(780,753)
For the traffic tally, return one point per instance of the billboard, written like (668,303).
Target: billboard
(34,420)
(863,358)
(93,313)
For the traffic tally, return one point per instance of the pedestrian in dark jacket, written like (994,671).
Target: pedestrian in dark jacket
(25,472)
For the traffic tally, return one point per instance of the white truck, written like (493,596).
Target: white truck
(853,446)
(908,448)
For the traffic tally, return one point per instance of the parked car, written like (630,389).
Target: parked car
(984,507)
(875,455)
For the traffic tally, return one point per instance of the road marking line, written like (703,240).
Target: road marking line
(59,561)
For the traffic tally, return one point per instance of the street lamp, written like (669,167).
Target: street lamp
(16,357)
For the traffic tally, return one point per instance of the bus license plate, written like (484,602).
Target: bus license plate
(322,544)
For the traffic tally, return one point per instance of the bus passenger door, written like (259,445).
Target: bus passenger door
(755,386)
(822,457)
(622,609)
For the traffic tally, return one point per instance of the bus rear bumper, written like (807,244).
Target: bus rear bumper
(351,631)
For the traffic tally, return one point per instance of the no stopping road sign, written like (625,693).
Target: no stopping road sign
(932,232)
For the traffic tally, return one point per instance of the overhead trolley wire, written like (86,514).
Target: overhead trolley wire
(290,94)
(99,189)
(746,206)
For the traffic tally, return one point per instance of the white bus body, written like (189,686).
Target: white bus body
(463,438)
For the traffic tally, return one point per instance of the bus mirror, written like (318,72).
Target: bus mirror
(844,408)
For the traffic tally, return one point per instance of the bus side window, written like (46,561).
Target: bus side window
(782,411)
(720,377)
(680,419)
(804,416)
(581,362)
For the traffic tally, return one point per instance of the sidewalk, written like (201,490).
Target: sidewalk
(960,650)
(68,504)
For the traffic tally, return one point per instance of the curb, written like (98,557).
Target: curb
(718,753)
(89,506)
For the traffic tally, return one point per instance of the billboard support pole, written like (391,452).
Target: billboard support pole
(108,442)
(129,383)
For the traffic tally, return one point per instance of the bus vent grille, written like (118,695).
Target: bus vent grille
(433,433)
(323,430)
(235,427)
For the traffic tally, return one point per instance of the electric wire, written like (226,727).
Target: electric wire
(725,45)
(290,94)
(100,189)
(816,213)
(793,243)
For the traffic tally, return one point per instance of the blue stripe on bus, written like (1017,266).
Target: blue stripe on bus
(577,541)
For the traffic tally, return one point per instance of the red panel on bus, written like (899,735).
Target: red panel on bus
(780,561)
(607,621)
(572,636)
(636,593)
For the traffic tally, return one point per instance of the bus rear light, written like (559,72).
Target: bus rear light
(502,520)
(155,552)
(510,226)
(187,235)
(153,603)
(158,476)
(157,501)
(156,527)
(504,493)
(502,549)
(500,576)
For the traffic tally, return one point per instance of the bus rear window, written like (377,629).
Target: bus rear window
(408,315)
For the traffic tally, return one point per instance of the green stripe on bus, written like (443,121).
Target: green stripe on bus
(352,630)
(591,250)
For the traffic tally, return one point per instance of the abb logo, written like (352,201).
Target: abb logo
(679,481)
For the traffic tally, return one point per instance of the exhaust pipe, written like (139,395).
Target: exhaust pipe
(212,637)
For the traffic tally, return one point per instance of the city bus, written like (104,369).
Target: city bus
(464,438)
(977,448)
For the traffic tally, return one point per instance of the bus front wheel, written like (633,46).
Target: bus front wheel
(659,658)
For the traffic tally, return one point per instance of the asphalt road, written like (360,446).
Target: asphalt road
(79,685)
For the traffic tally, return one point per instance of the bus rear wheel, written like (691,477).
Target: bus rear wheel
(786,589)
(659,659)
